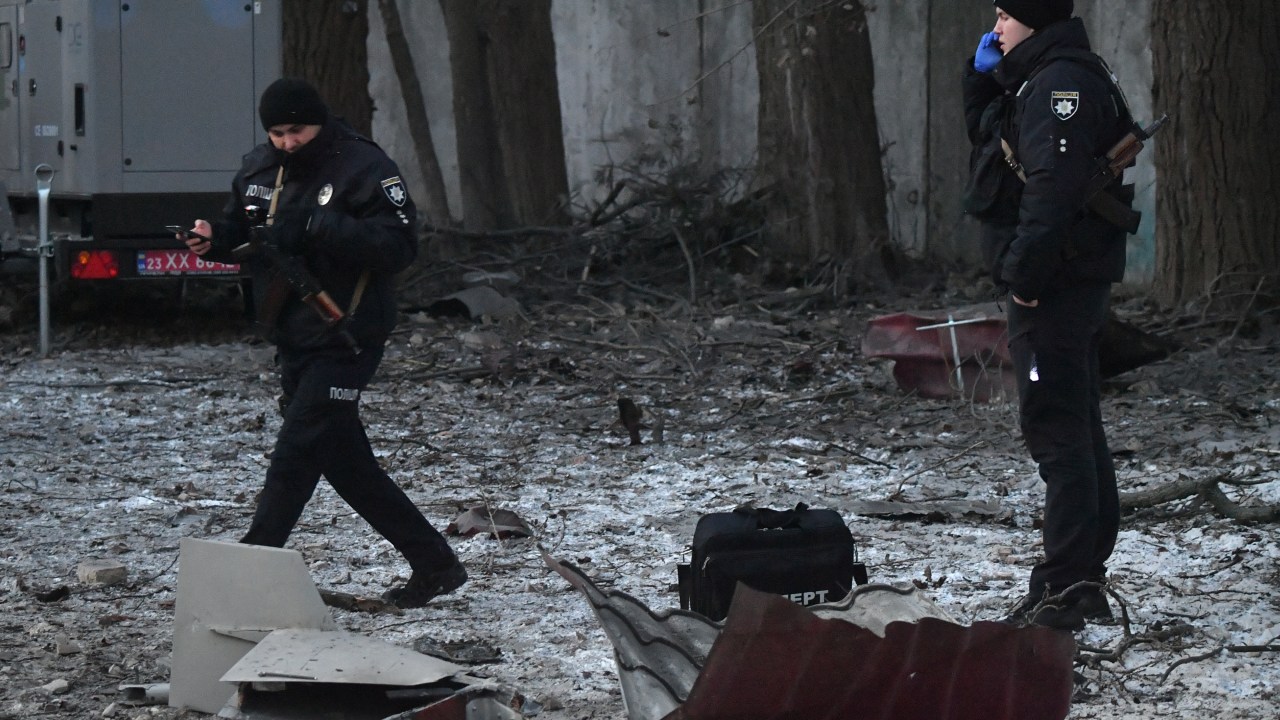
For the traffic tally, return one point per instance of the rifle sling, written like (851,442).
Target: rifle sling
(361,284)
(279,289)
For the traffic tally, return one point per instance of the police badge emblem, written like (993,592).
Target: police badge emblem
(325,194)
(1064,103)
(394,188)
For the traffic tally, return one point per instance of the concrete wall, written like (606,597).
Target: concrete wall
(900,43)
(953,29)
(629,84)
(678,76)
(424,26)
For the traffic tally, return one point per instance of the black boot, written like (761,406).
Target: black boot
(1053,612)
(423,587)
(1094,606)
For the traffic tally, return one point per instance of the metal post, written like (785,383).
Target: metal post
(44,180)
(951,324)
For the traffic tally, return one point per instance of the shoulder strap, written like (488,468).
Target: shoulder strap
(359,291)
(1092,61)
(1084,58)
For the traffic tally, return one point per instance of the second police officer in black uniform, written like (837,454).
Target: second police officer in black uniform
(1035,85)
(324,197)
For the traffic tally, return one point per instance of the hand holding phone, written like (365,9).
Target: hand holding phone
(186,234)
(198,243)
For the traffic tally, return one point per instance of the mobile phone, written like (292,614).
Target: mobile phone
(179,230)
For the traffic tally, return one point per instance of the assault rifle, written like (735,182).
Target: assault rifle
(291,275)
(1122,155)
(1110,167)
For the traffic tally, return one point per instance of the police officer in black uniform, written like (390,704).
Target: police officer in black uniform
(323,197)
(1034,84)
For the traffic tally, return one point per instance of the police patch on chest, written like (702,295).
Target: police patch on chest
(1064,103)
(394,188)
(325,195)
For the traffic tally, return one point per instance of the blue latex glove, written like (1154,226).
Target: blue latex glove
(988,54)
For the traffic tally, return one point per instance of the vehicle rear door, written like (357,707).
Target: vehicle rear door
(10,138)
(40,84)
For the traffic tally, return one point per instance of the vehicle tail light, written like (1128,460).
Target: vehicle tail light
(95,265)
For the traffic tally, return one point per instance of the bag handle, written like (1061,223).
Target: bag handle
(768,519)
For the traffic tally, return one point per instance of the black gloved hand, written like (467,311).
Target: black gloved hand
(288,232)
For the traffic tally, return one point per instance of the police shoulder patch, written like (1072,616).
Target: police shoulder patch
(1064,103)
(394,188)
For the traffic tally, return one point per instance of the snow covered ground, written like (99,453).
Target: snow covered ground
(119,445)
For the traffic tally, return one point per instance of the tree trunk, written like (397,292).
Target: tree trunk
(324,44)
(818,140)
(485,202)
(526,105)
(506,107)
(435,200)
(1216,71)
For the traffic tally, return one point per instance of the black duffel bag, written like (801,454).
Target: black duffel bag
(805,555)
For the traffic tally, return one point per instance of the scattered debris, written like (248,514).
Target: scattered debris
(152,694)
(481,519)
(934,511)
(475,303)
(224,607)
(358,603)
(914,668)
(475,703)
(96,447)
(470,652)
(502,280)
(880,652)
(303,674)
(629,415)
(945,353)
(64,645)
(58,594)
(659,655)
(101,572)
(249,650)
(335,656)
(965,351)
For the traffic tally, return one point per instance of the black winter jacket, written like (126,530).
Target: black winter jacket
(346,195)
(1058,122)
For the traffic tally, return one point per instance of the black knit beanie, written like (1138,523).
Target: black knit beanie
(1037,14)
(291,102)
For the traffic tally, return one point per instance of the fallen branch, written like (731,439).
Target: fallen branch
(1207,489)
(1266,647)
(1228,342)
(1229,508)
(897,494)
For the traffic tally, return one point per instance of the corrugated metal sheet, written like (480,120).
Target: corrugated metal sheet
(659,655)
(881,653)
(776,660)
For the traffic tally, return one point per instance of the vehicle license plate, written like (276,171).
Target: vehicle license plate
(180,262)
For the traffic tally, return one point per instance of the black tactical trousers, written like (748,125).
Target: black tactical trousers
(1055,354)
(322,435)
